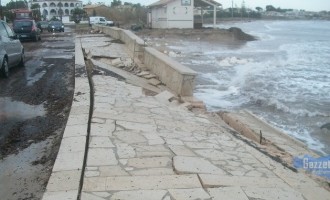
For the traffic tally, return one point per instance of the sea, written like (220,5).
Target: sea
(283,77)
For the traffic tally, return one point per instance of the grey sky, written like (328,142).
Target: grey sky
(312,5)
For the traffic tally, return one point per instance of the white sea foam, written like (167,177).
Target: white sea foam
(284,76)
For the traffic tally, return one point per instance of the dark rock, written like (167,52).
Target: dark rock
(326,126)
(240,35)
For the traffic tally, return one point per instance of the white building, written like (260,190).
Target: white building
(176,13)
(50,8)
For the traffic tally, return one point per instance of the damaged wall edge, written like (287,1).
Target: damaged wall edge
(177,77)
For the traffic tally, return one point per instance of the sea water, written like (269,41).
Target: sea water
(283,77)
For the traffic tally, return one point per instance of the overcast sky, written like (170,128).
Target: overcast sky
(311,5)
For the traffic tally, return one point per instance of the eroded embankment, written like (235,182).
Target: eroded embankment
(207,34)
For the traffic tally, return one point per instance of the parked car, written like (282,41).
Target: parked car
(26,29)
(42,25)
(11,49)
(55,26)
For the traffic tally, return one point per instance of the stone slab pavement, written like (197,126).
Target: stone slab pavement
(147,148)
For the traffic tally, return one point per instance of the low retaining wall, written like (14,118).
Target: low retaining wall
(177,77)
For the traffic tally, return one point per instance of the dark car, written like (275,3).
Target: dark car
(55,26)
(11,49)
(26,29)
(42,25)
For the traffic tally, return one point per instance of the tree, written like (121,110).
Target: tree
(270,8)
(259,9)
(115,3)
(16,5)
(36,11)
(77,14)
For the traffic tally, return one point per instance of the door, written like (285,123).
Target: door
(11,46)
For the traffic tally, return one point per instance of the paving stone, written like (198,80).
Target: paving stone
(272,193)
(211,180)
(181,150)
(92,173)
(73,144)
(185,164)
(235,193)
(106,171)
(215,154)
(87,196)
(123,161)
(189,194)
(69,161)
(152,172)
(152,148)
(314,193)
(100,142)
(201,145)
(101,157)
(94,184)
(153,138)
(102,129)
(78,110)
(152,182)
(75,130)
(153,154)
(149,162)
(174,142)
(164,96)
(98,120)
(139,195)
(133,117)
(130,137)
(137,126)
(102,194)
(78,120)
(125,151)
(65,195)
(64,181)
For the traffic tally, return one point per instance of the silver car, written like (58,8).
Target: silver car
(11,50)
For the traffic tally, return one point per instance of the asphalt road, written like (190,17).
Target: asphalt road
(34,105)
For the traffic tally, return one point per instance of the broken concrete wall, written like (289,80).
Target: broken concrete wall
(177,77)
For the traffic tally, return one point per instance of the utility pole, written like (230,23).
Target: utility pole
(0,10)
(232,8)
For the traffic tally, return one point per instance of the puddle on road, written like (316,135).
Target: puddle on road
(16,110)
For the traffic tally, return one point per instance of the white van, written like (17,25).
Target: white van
(100,20)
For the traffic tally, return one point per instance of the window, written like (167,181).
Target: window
(185,2)
(9,31)
(3,31)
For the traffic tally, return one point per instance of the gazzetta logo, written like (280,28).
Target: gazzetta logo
(319,166)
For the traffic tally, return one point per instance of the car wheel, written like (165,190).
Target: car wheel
(5,68)
(22,62)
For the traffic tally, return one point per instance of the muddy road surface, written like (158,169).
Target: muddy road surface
(34,106)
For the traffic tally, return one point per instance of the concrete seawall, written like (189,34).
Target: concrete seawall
(177,77)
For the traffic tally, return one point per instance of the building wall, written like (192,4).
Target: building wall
(159,17)
(50,9)
(173,15)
